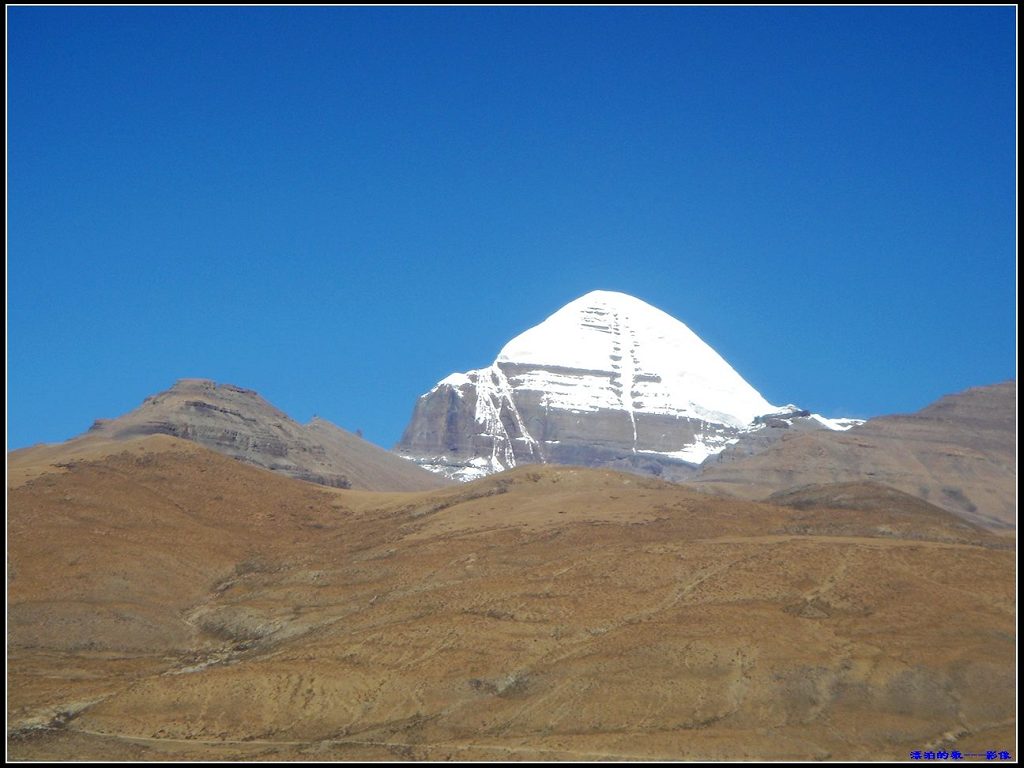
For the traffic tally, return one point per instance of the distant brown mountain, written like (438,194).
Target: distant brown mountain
(239,423)
(167,602)
(960,454)
(908,516)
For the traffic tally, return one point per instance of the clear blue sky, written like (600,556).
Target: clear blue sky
(338,207)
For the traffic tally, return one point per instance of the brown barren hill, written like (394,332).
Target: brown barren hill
(960,454)
(167,602)
(239,423)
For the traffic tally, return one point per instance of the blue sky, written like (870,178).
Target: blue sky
(338,207)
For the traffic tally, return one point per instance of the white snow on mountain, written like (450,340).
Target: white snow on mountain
(839,425)
(608,351)
(466,471)
(697,451)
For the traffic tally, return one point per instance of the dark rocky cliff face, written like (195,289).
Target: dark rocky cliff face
(445,435)
(452,431)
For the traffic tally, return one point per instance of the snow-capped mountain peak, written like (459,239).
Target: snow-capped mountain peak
(607,380)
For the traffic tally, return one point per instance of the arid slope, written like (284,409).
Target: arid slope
(168,602)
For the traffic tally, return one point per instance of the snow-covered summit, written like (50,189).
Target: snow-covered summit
(611,350)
